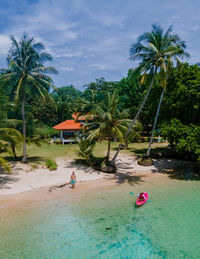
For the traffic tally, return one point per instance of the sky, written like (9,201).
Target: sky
(89,39)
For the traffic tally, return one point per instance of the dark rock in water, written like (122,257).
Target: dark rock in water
(107,228)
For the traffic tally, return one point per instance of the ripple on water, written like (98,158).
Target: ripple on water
(106,224)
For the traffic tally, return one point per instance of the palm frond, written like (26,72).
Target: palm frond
(4,163)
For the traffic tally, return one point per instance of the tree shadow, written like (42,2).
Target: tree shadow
(80,164)
(178,169)
(30,159)
(156,152)
(5,179)
(119,177)
(128,178)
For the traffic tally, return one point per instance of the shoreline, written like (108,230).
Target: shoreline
(43,195)
(24,178)
(35,185)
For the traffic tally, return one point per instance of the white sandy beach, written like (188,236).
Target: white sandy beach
(24,178)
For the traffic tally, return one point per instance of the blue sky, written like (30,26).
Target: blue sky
(89,39)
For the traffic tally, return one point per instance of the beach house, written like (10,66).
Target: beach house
(68,128)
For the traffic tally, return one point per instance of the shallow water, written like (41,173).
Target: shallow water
(105,224)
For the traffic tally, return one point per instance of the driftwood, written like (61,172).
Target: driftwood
(57,186)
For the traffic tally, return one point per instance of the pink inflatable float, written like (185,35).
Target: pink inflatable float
(139,203)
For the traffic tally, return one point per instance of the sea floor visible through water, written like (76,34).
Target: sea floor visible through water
(104,223)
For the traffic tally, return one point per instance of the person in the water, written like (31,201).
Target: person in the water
(73,180)
(141,196)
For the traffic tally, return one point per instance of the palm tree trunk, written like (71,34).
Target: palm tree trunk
(126,144)
(155,122)
(24,159)
(136,117)
(14,151)
(108,152)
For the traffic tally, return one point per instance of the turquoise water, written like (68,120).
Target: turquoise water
(105,224)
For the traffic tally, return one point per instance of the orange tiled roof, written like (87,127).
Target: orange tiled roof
(82,117)
(68,125)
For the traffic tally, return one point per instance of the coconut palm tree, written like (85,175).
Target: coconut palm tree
(27,73)
(107,122)
(155,52)
(177,51)
(8,138)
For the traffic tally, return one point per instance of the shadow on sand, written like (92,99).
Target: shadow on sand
(178,169)
(5,179)
(128,178)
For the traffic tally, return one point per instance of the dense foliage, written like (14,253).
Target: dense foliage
(185,139)
(182,100)
(26,74)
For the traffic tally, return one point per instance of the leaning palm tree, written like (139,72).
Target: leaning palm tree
(155,52)
(176,51)
(26,72)
(107,122)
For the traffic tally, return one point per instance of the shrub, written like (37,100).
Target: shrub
(86,148)
(134,135)
(51,164)
(46,132)
(58,141)
(185,139)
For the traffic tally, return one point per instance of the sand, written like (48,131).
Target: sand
(25,179)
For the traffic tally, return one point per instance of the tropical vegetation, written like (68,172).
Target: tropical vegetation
(29,109)
(26,73)
(155,52)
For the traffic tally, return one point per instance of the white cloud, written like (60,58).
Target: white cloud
(67,68)
(98,66)
(67,54)
(94,37)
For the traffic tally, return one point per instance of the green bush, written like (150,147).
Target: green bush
(46,132)
(86,148)
(58,141)
(51,164)
(185,139)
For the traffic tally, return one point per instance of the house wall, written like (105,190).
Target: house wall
(67,133)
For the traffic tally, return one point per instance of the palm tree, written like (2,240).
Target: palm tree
(107,122)
(27,73)
(8,133)
(8,137)
(155,52)
(177,50)
(86,148)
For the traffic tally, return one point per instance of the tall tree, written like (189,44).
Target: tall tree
(155,51)
(172,49)
(26,71)
(66,99)
(182,98)
(9,136)
(107,122)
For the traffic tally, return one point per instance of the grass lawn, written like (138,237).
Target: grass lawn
(141,148)
(52,151)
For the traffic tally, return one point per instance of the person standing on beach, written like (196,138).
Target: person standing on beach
(73,180)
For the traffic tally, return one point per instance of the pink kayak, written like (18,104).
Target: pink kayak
(139,203)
